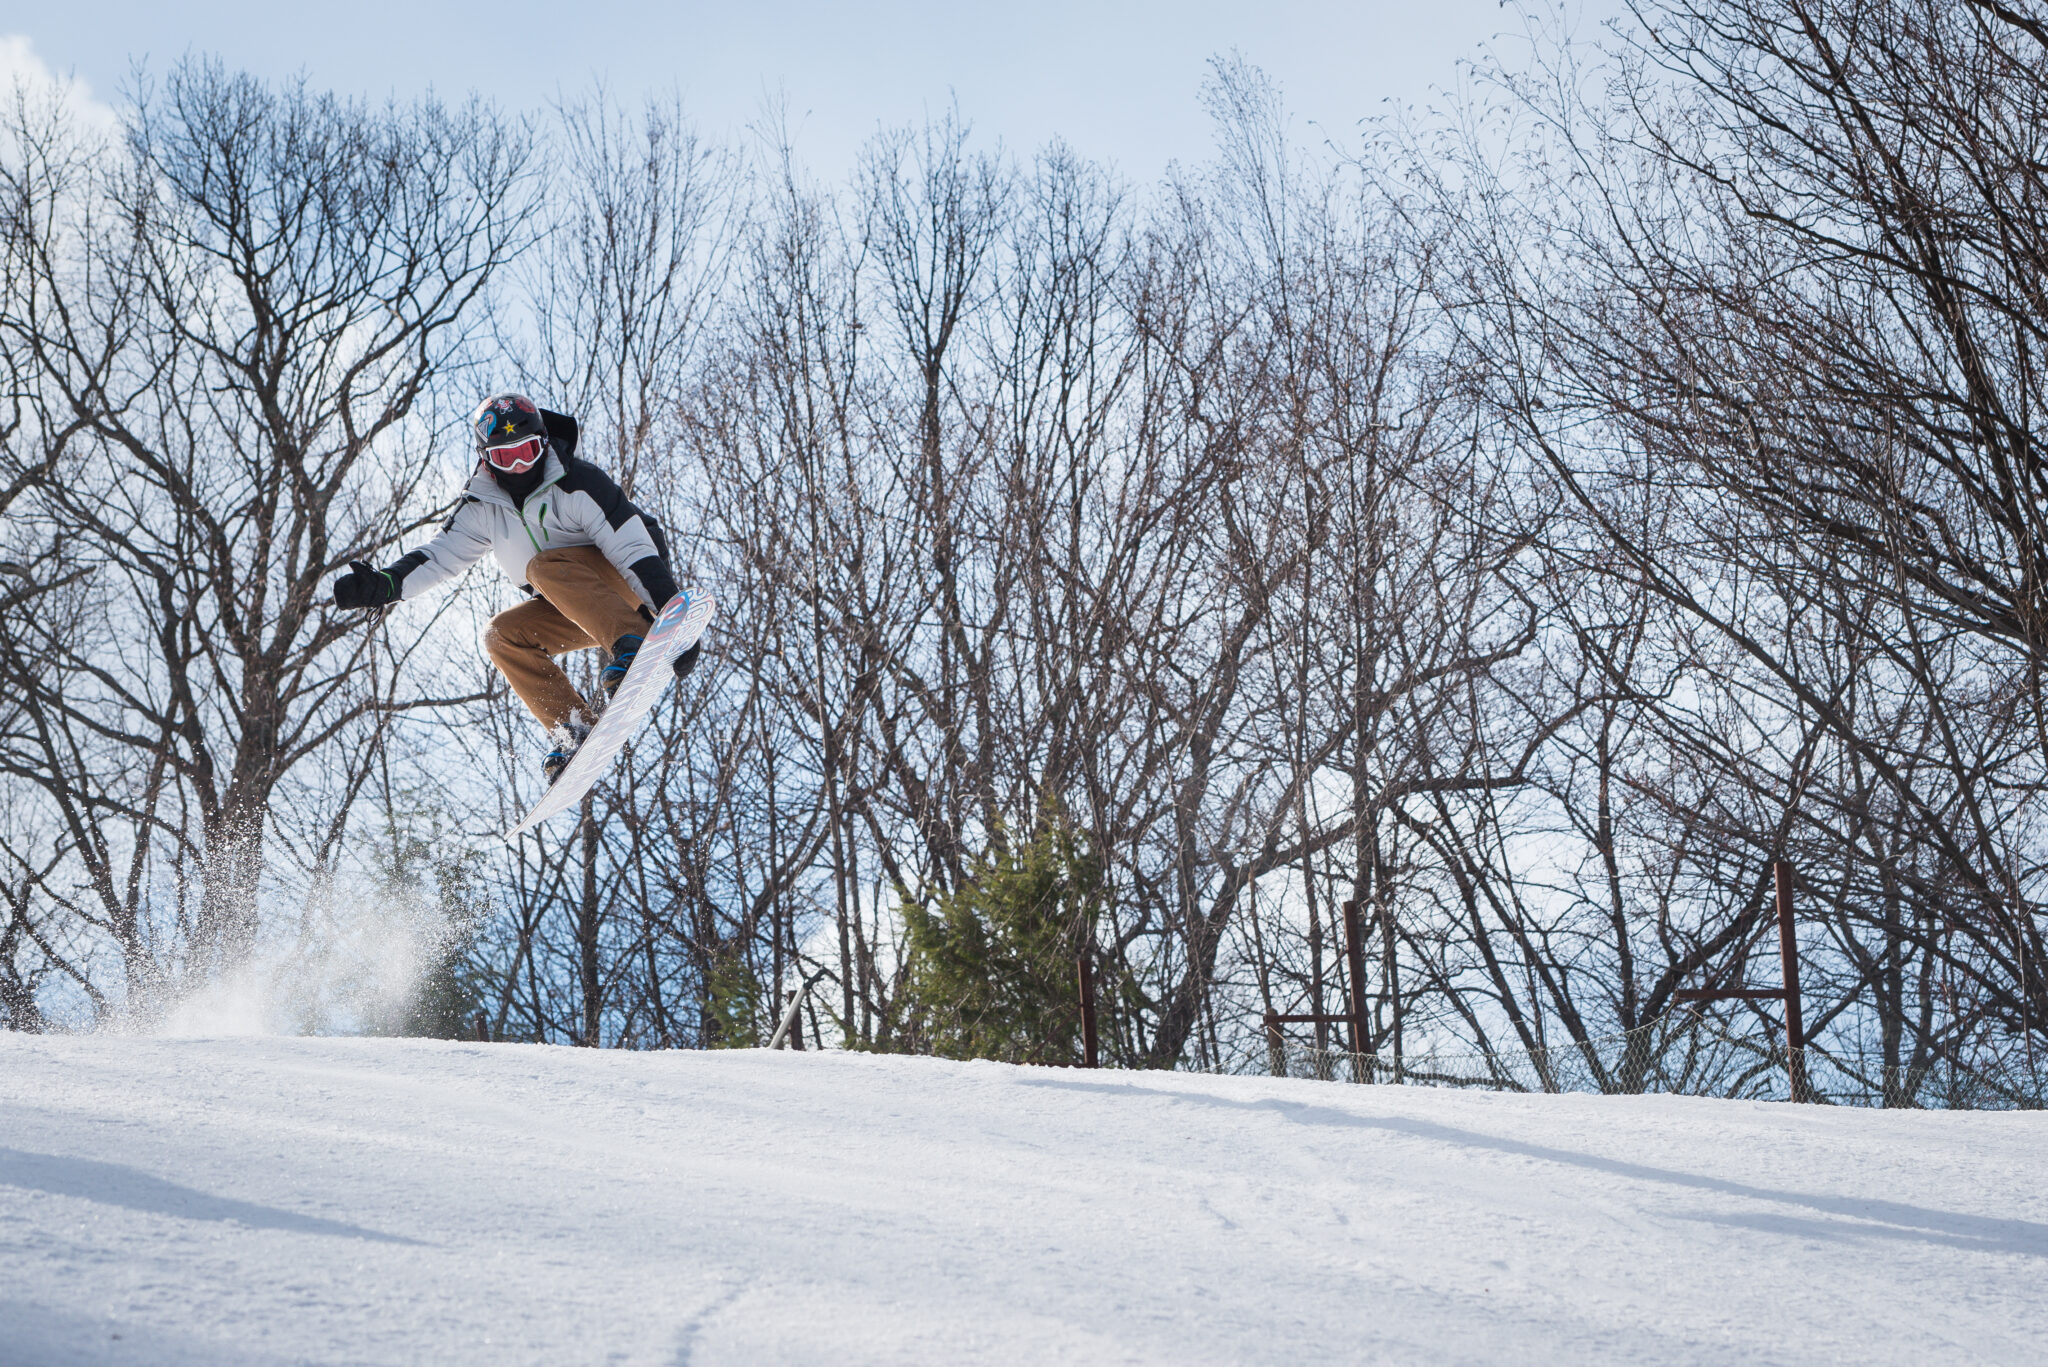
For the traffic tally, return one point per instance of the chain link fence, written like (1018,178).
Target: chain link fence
(1682,1053)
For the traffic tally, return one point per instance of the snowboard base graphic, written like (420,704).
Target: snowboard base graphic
(681,622)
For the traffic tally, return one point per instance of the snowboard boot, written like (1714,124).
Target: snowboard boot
(623,652)
(565,739)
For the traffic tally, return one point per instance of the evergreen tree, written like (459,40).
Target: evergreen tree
(991,965)
(732,1000)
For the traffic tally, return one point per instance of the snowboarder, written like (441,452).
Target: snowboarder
(595,565)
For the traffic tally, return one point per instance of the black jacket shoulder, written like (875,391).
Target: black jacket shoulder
(581,477)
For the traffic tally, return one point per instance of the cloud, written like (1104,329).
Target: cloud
(22,70)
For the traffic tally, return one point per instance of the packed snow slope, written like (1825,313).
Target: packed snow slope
(270,1201)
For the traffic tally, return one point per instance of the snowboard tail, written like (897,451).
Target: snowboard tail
(678,626)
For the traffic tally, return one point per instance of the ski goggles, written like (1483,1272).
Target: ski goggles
(516,458)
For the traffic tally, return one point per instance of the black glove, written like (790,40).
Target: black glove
(653,574)
(363,587)
(687,661)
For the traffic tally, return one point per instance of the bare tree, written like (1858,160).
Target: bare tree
(229,324)
(1759,302)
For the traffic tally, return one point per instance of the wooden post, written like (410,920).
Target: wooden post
(1087,975)
(1276,1046)
(483,1028)
(1354,951)
(1788,959)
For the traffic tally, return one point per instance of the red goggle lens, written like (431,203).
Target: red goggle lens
(516,458)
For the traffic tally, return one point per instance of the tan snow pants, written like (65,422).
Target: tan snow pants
(583,601)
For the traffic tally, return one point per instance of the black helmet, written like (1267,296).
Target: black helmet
(510,432)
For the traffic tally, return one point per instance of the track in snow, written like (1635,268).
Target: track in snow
(273,1201)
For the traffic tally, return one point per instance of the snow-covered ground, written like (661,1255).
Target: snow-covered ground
(260,1201)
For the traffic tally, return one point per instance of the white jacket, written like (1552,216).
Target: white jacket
(575,504)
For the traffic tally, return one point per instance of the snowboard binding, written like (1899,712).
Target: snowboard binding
(567,738)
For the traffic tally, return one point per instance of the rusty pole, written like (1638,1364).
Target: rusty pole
(1788,958)
(1087,975)
(1276,1045)
(1354,952)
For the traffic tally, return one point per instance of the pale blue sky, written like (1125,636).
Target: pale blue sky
(1116,78)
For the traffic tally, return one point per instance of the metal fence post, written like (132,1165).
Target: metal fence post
(1354,952)
(1086,970)
(1788,958)
(790,1027)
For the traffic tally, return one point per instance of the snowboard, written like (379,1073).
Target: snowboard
(676,628)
